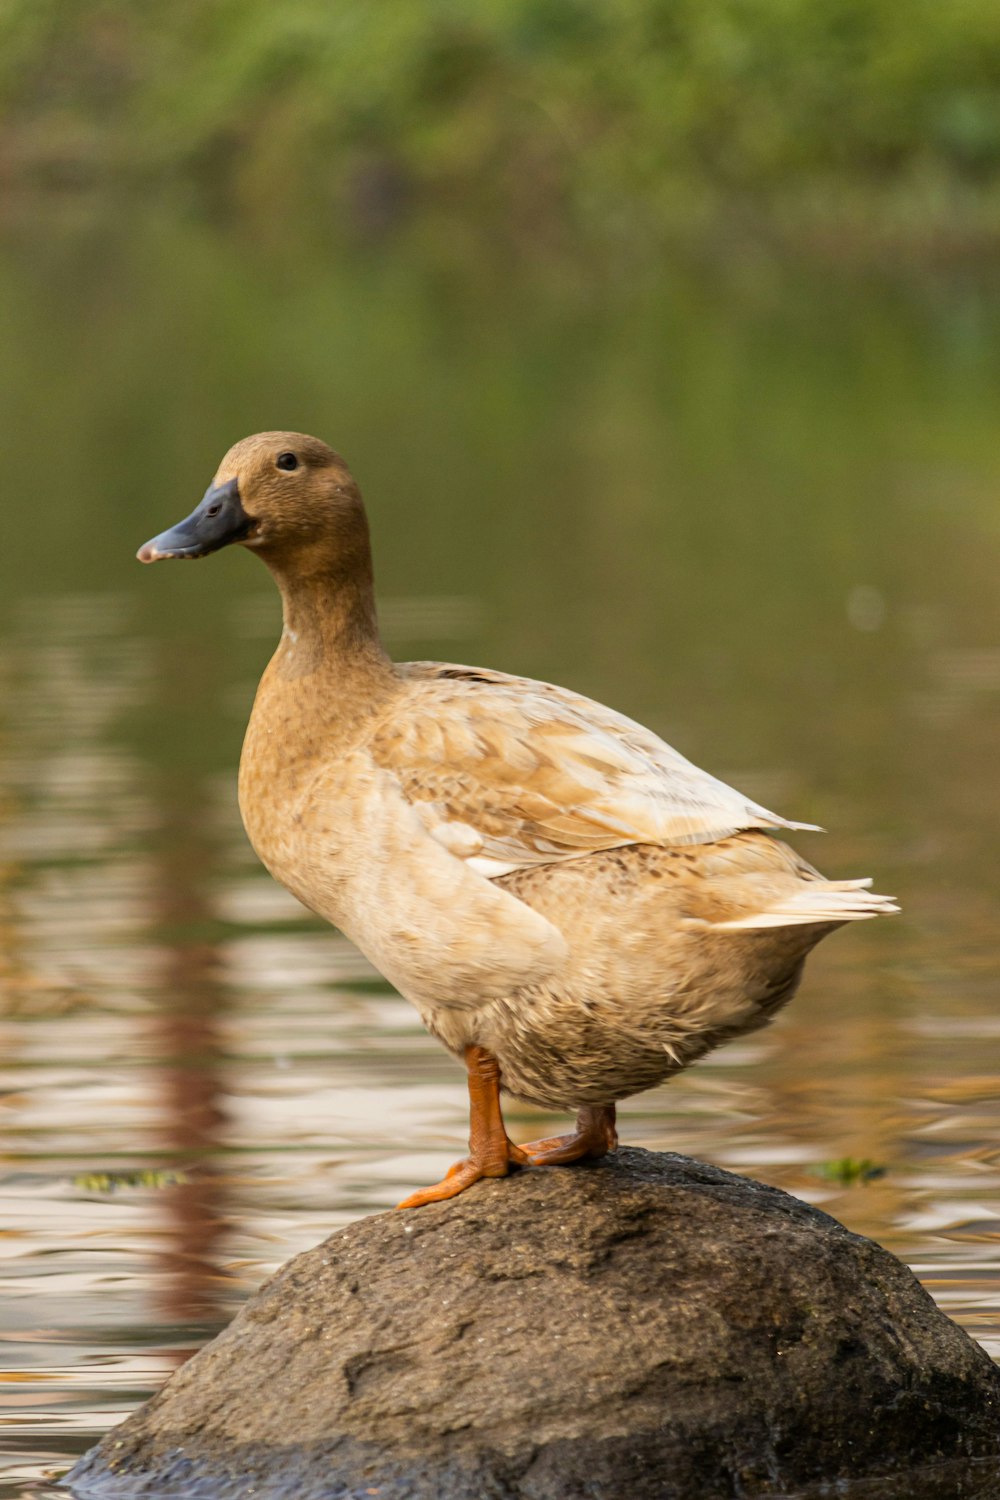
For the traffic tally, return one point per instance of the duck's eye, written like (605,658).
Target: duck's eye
(287,461)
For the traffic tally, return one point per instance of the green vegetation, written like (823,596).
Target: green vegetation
(113,1182)
(848,1171)
(633,119)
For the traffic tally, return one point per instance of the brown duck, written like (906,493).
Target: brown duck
(575,910)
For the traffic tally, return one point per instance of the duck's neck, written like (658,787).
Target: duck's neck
(330,637)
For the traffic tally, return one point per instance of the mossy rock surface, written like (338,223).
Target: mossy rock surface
(647,1327)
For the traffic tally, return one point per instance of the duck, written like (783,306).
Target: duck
(576,911)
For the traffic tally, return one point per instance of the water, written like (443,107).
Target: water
(756,510)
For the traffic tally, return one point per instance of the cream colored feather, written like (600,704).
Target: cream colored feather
(507,773)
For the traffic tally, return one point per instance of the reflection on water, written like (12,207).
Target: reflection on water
(763,518)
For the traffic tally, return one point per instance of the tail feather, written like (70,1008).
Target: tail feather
(817,902)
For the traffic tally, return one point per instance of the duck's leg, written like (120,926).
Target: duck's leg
(491,1153)
(595,1135)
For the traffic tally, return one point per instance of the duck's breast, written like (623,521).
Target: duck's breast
(343,839)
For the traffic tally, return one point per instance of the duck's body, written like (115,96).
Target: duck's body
(589,975)
(571,906)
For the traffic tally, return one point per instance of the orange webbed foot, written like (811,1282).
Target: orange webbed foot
(463,1174)
(491,1152)
(595,1135)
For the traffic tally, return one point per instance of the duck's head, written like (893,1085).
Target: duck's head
(286,495)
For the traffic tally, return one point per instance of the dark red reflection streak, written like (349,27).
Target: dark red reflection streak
(187,1039)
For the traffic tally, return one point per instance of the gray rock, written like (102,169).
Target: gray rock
(646,1328)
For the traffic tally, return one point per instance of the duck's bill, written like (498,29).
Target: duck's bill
(218,520)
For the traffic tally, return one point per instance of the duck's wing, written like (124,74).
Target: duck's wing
(507,772)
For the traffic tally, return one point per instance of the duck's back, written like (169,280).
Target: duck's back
(514,772)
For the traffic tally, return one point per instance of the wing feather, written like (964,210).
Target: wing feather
(508,772)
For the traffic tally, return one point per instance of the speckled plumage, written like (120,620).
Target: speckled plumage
(540,876)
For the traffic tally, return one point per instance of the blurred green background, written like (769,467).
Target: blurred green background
(837,126)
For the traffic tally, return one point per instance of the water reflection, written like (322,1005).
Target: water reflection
(760,517)
(187,1041)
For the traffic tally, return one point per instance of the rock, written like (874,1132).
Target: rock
(646,1328)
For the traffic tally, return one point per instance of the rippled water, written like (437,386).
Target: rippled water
(759,513)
